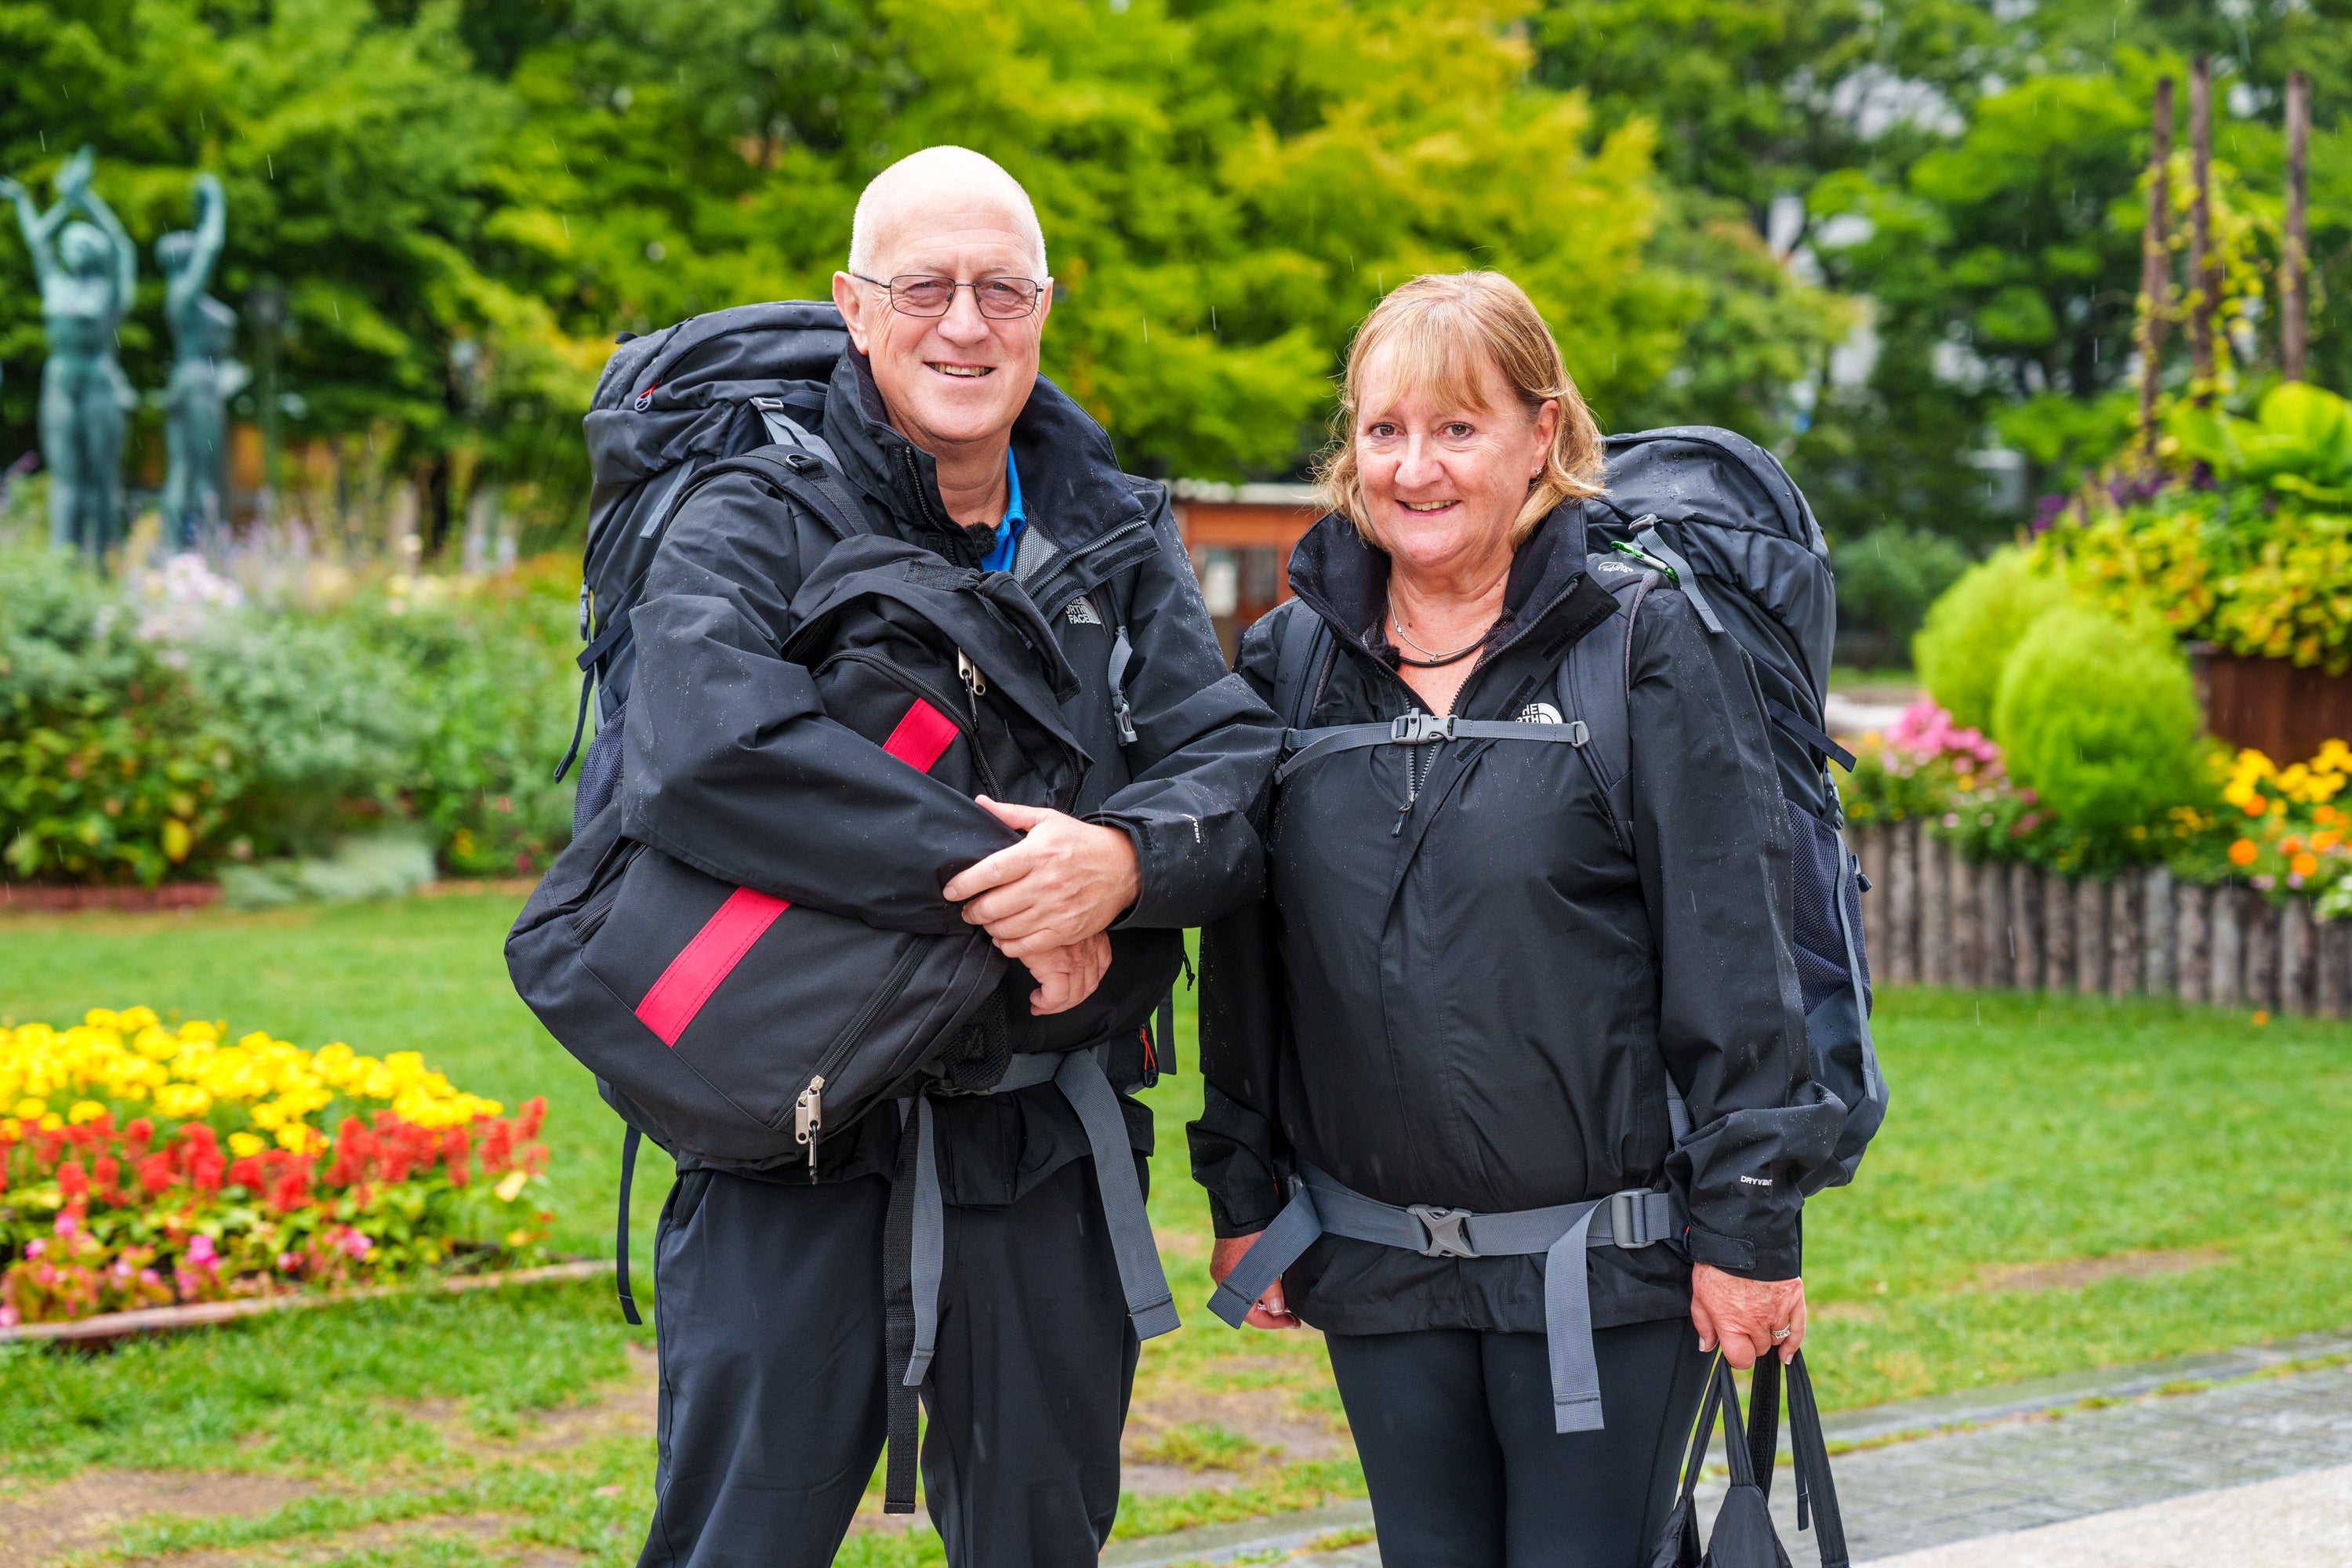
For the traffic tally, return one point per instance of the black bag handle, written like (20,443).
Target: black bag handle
(1817,1503)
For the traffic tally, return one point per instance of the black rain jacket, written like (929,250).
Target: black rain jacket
(730,765)
(1476,1002)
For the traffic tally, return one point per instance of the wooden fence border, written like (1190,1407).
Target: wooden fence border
(1933,917)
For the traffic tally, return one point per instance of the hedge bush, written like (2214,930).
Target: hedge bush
(163,727)
(1960,651)
(2098,717)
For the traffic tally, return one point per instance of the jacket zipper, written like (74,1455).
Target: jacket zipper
(808,1110)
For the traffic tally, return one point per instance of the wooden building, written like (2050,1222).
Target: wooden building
(1239,538)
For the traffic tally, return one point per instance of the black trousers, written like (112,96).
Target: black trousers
(1455,1430)
(771,1317)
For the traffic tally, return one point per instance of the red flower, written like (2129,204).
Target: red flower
(205,1170)
(246,1174)
(291,1190)
(107,1177)
(138,1136)
(155,1174)
(534,1111)
(73,1181)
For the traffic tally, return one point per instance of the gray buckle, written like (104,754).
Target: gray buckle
(1628,1219)
(1422,729)
(1446,1230)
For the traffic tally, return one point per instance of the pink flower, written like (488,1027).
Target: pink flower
(288,1262)
(356,1244)
(199,1250)
(9,1318)
(67,1224)
(149,1277)
(36,1247)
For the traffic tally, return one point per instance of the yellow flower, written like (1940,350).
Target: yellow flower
(132,1018)
(297,1138)
(31,1109)
(242,1144)
(510,1188)
(84,1110)
(100,1018)
(183,1101)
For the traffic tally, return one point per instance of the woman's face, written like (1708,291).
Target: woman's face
(1444,479)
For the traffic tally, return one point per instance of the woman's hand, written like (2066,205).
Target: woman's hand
(1269,1311)
(1743,1315)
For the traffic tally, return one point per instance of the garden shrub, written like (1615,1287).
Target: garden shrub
(1969,634)
(2098,717)
(112,768)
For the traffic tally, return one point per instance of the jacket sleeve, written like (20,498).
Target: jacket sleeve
(730,763)
(1712,841)
(1204,748)
(1238,1151)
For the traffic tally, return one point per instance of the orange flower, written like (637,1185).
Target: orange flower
(2325,814)
(2303,865)
(2291,844)
(2242,852)
(2255,805)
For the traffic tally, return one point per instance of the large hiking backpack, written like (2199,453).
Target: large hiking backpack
(1718,516)
(725,1023)
(668,405)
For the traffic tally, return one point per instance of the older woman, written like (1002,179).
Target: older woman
(1439,1054)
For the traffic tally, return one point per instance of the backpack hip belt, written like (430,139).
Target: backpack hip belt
(1320,1204)
(1080,1077)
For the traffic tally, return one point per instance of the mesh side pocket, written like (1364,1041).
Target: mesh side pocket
(1818,858)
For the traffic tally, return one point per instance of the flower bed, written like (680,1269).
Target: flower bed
(142,1165)
(2279,830)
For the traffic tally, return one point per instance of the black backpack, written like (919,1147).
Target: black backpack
(727,1024)
(1718,516)
(668,405)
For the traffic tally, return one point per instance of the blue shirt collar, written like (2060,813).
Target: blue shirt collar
(1008,531)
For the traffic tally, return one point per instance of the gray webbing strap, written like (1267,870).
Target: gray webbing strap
(1563,1233)
(1417,729)
(1649,542)
(930,1246)
(1121,651)
(1149,1302)
(1080,1077)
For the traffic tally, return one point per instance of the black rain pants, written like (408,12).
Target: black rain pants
(769,1301)
(1455,1430)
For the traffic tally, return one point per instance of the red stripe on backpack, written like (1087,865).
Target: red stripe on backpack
(922,738)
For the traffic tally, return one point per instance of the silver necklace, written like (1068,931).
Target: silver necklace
(1430,660)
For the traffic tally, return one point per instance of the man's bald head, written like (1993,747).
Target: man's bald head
(938,187)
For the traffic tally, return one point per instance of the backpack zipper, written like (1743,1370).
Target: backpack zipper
(808,1110)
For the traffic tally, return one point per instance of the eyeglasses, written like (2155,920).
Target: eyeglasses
(999,298)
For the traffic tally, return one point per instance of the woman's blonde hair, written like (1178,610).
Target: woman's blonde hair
(1446,329)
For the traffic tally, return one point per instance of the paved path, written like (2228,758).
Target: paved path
(2244,1457)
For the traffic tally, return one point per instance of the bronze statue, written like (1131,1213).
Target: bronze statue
(195,431)
(86,290)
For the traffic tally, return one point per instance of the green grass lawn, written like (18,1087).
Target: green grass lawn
(2025,1130)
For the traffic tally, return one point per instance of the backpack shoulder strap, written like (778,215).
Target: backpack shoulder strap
(1302,661)
(1593,680)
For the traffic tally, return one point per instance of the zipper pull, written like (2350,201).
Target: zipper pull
(973,681)
(808,1120)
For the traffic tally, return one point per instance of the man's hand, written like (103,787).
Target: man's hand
(1269,1311)
(1068,975)
(1743,1315)
(1064,881)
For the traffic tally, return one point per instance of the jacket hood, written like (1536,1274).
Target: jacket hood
(1071,485)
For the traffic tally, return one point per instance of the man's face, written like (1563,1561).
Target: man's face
(961,378)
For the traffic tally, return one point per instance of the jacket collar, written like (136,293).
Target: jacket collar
(1346,580)
(1071,484)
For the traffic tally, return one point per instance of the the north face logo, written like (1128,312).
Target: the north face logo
(1080,612)
(1538,713)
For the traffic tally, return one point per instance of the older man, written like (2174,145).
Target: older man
(775,1363)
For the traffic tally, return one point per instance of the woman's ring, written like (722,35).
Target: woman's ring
(1780,1335)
